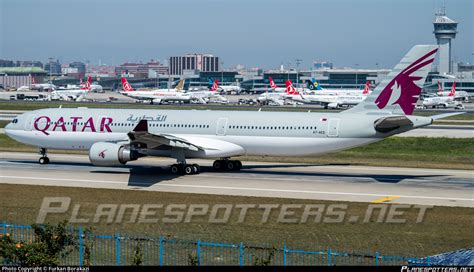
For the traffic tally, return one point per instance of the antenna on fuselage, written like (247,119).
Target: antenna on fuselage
(60,106)
(260,109)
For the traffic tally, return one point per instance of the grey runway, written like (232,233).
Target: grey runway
(282,180)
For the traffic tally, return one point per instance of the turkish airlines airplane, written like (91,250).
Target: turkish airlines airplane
(443,101)
(204,96)
(274,87)
(156,96)
(72,94)
(459,95)
(37,86)
(116,136)
(317,89)
(226,88)
(331,101)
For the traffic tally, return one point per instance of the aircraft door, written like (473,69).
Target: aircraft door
(29,122)
(333,127)
(221,126)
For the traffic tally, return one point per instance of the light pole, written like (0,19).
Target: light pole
(357,73)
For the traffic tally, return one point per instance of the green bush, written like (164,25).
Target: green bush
(50,244)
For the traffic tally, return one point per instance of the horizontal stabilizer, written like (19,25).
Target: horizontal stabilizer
(391,123)
(444,115)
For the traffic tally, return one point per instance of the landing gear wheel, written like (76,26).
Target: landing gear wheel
(230,165)
(189,170)
(217,165)
(196,168)
(43,160)
(238,165)
(174,169)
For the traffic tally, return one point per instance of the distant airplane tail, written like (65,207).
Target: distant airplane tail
(180,85)
(440,90)
(314,85)
(290,89)
(366,88)
(453,90)
(400,89)
(272,83)
(215,86)
(87,86)
(126,86)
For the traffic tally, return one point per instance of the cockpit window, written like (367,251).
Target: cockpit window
(15,121)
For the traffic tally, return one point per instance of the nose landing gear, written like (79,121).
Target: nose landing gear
(44,156)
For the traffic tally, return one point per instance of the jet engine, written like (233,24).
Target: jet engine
(111,154)
(332,105)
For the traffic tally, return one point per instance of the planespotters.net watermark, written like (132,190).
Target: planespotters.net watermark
(228,213)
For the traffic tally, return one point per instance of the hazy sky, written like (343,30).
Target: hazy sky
(250,32)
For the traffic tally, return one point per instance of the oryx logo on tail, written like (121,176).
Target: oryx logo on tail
(403,90)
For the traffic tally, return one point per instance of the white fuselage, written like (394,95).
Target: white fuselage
(438,101)
(256,133)
(158,95)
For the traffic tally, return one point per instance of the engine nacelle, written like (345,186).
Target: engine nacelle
(156,101)
(332,105)
(110,154)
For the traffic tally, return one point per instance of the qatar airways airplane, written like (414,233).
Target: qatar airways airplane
(116,136)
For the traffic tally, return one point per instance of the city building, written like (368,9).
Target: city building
(81,68)
(15,77)
(199,62)
(319,65)
(142,70)
(53,68)
(29,63)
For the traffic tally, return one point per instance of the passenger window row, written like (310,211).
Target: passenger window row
(273,127)
(180,125)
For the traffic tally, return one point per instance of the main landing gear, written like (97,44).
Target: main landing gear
(44,157)
(183,168)
(227,165)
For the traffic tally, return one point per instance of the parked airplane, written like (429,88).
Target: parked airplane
(317,89)
(116,136)
(274,87)
(72,94)
(459,95)
(157,96)
(37,86)
(443,101)
(277,96)
(329,100)
(204,96)
(226,88)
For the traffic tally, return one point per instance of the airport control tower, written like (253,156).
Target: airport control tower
(445,31)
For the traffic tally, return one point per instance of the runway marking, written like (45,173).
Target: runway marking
(385,199)
(237,188)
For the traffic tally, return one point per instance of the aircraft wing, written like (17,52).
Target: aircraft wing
(140,134)
(205,146)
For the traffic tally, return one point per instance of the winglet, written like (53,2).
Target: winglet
(142,126)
